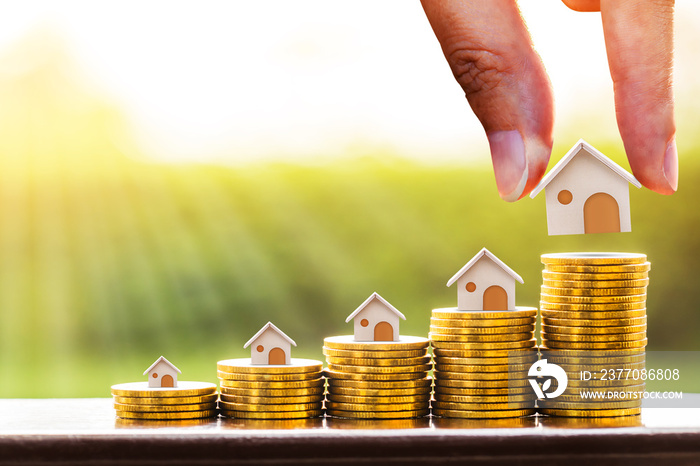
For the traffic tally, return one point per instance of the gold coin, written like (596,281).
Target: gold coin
(457,383)
(599,307)
(597,284)
(548,298)
(379,392)
(590,422)
(605,316)
(471,399)
(497,325)
(270,385)
(577,357)
(506,345)
(579,323)
(519,312)
(272,415)
(591,412)
(506,368)
(525,390)
(491,331)
(498,338)
(377,377)
(378,414)
(553,329)
(379,362)
(380,369)
(348,342)
(376,408)
(599,338)
(439,375)
(487,362)
(593,258)
(268,400)
(183,389)
(423,398)
(556,404)
(598,346)
(165,408)
(528,404)
(587,353)
(589,403)
(593,277)
(487,353)
(166,416)
(243,365)
(379,384)
(165,400)
(483,414)
(596,269)
(269,377)
(269,408)
(593,293)
(372,354)
(271,393)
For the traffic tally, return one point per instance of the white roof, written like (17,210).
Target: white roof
(581,144)
(372,297)
(162,358)
(475,259)
(265,327)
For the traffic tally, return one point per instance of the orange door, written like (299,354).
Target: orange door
(601,214)
(383,331)
(166,381)
(495,299)
(276,356)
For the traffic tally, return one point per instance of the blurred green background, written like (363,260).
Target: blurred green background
(109,261)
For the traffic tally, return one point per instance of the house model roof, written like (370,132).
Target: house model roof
(581,144)
(159,360)
(265,327)
(476,258)
(371,298)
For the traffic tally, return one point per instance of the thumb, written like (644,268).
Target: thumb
(491,55)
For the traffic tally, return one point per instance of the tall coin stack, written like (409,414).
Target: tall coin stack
(260,391)
(377,379)
(481,362)
(594,327)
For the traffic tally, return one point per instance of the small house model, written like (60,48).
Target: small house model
(485,283)
(162,373)
(586,192)
(270,346)
(376,320)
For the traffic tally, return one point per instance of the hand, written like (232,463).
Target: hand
(493,59)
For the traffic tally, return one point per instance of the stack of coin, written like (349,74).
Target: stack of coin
(594,326)
(377,380)
(189,400)
(262,391)
(481,362)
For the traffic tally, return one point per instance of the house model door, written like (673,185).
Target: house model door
(495,299)
(276,356)
(166,381)
(383,331)
(601,214)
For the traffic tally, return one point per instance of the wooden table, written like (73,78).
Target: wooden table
(86,431)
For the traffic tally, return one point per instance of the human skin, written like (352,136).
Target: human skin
(492,57)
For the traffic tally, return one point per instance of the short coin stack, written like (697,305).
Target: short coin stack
(377,380)
(594,326)
(481,362)
(261,391)
(189,400)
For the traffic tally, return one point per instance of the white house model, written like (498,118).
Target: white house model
(485,283)
(376,320)
(162,373)
(586,192)
(270,346)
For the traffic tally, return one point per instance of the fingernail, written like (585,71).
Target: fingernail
(509,163)
(671,164)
